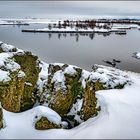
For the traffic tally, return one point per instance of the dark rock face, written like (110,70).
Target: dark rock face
(1,118)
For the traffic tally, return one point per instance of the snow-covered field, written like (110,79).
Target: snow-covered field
(26,21)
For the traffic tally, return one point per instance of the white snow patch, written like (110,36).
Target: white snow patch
(21,74)
(42,111)
(7,65)
(84,76)
(43,75)
(7,48)
(4,76)
(70,70)
(75,108)
(28,84)
(7,62)
(58,79)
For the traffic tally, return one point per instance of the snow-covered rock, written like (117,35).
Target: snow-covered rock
(46,118)
(136,55)
(110,77)
(66,87)
(17,68)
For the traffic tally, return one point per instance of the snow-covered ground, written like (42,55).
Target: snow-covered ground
(120,115)
(119,118)
(26,21)
(124,26)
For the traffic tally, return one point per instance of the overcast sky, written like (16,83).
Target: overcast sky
(52,9)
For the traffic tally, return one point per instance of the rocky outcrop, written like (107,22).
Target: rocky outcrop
(64,97)
(21,69)
(29,65)
(89,107)
(67,89)
(62,88)
(71,91)
(11,92)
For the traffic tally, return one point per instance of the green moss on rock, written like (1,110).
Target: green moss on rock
(44,124)
(89,108)
(17,94)
(29,66)
(98,86)
(62,100)
(11,93)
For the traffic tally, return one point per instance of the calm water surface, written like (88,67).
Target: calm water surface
(81,51)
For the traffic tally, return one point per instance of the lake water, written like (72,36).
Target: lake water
(81,51)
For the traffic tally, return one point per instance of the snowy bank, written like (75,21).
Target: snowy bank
(68,30)
(119,118)
(103,103)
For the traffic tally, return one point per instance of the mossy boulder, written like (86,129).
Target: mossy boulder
(1,117)
(11,92)
(22,69)
(61,103)
(89,108)
(63,93)
(29,65)
(43,124)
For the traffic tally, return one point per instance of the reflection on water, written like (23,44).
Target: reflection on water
(77,35)
(82,50)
